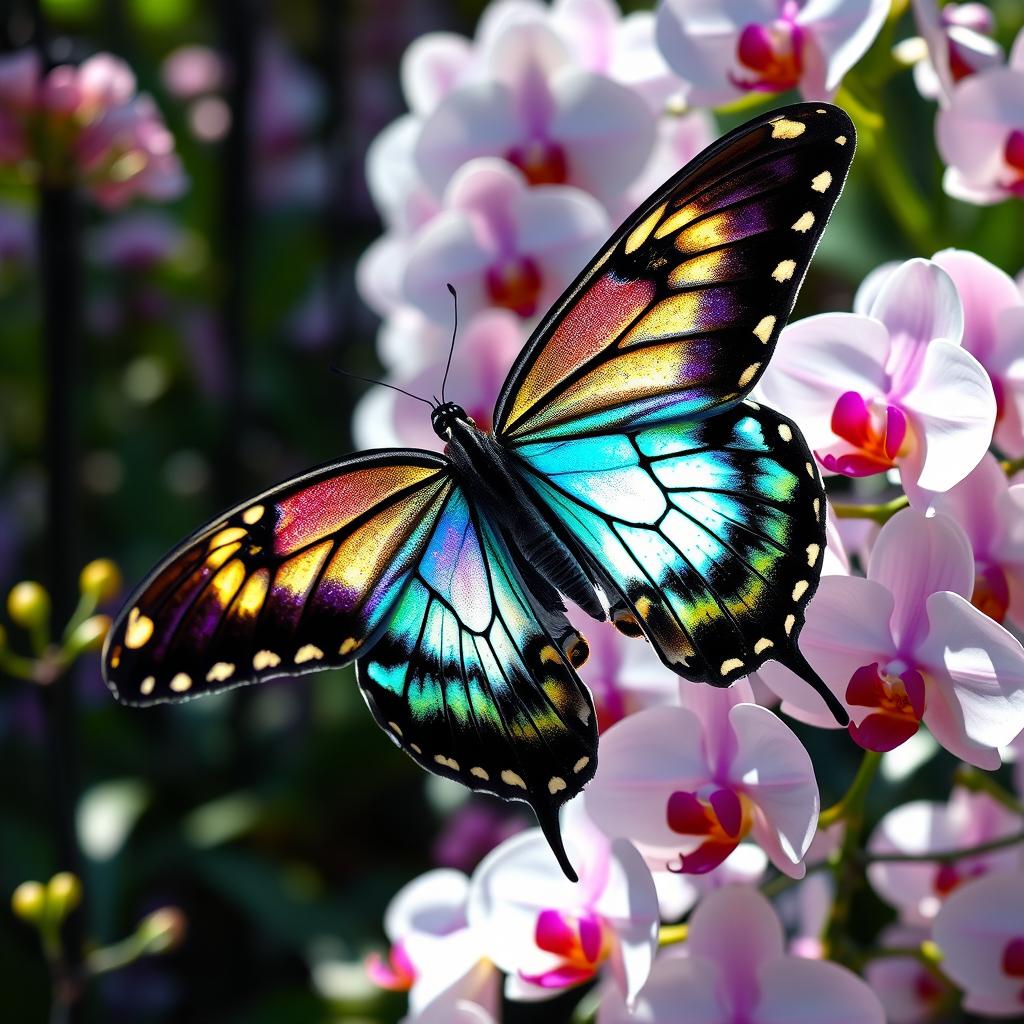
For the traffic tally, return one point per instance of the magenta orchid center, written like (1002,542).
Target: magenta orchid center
(542,162)
(721,818)
(895,695)
(876,431)
(1013,957)
(991,590)
(1013,154)
(949,876)
(397,973)
(515,284)
(772,54)
(582,942)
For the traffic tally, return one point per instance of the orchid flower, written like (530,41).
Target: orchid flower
(735,969)
(893,388)
(906,645)
(980,933)
(724,51)
(687,784)
(549,934)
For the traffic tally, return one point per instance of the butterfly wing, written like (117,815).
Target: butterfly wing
(678,315)
(709,536)
(471,679)
(297,579)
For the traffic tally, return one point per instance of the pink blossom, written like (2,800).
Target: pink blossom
(678,893)
(687,784)
(980,932)
(980,134)
(994,335)
(501,244)
(909,991)
(905,646)
(727,50)
(435,954)
(20,74)
(735,969)
(138,241)
(991,513)
(192,71)
(894,388)
(533,105)
(548,933)
(919,889)
(959,43)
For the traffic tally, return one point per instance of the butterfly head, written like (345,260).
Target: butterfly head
(445,416)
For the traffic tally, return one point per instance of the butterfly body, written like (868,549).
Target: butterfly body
(627,472)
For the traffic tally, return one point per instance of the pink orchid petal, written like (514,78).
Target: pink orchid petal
(913,558)
(971,133)
(560,977)
(976,503)
(736,927)
(871,285)
(973,929)
(629,903)
(980,667)
(644,759)
(817,360)
(814,992)
(432,65)
(843,32)
(608,132)
(675,981)
(432,904)
(917,302)
(985,291)
(776,772)
(953,411)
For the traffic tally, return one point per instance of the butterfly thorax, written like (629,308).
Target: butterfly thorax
(481,464)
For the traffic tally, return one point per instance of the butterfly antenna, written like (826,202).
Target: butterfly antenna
(547,818)
(455,330)
(382,383)
(794,660)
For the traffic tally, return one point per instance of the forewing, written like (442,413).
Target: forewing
(709,535)
(470,678)
(679,314)
(295,580)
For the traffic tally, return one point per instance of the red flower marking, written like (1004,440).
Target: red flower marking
(515,284)
(582,942)
(724,818)
(1013,154)
(1013,957)
(877,435)
(541,161)
(991,591)
(949,876)
(899,700)
(773,52)
(396,974)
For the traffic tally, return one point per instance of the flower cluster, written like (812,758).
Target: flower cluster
(522,147)
(89,124)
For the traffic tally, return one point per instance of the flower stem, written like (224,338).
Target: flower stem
(880,513)
(846,866)
(944,855)
(982,782)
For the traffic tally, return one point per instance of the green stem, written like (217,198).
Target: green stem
(944,855)
(880,513)
(846,866)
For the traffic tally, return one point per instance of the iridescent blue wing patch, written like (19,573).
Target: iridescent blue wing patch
(708,536)
(476,681)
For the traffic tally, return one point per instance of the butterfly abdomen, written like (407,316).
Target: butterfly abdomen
(479,463)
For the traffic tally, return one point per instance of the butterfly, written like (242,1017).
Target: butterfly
(626,472)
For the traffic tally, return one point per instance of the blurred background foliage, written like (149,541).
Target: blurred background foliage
(279,820)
